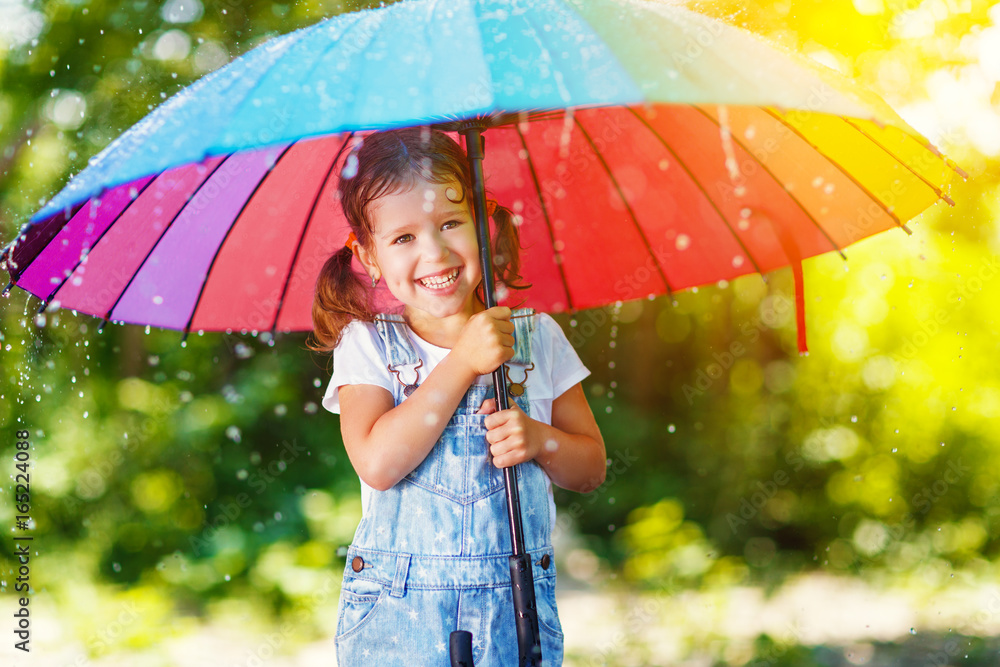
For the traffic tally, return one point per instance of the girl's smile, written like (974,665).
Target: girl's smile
(425,248)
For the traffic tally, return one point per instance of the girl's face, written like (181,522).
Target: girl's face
(425,248)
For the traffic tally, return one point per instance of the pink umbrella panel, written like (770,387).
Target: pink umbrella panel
(613,204)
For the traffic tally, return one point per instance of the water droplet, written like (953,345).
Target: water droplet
(894,450)
(913,631)
(117,567)
(671,428)
(350,167)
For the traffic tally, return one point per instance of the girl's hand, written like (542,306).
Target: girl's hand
(486,341)
(514,437)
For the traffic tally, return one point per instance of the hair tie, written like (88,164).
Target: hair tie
(351,240)
(491,207)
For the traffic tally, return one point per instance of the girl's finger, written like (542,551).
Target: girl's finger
(489,406)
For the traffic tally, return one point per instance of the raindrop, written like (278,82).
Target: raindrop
(277,516)
(913,631)
(317,382)
(280,410)
(854,419)
(117,567)
(350,167)
(233,433)
(895,449)
(683,241)
(671,428)
(227,577)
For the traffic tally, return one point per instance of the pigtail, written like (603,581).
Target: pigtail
(341,296)
(507,249)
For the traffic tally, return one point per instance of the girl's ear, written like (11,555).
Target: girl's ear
(367,260)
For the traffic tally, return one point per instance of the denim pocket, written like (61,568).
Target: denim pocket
(359,600)
(548,619)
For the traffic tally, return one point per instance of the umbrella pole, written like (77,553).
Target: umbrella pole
(521,578)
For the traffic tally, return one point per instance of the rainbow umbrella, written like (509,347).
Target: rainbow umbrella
(646,149)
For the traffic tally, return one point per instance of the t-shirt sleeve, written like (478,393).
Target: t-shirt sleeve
(566,367)
(357,359)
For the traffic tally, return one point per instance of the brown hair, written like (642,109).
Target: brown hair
(387,163)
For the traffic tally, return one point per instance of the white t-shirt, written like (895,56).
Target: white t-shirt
(360,359)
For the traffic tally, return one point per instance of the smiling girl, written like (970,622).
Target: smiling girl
(430,553)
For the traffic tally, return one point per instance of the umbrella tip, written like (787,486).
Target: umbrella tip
(100,327)
(41,308)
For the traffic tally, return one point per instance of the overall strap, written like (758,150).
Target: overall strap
(399,349)
(524,324)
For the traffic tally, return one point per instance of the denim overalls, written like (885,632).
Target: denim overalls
(430,554)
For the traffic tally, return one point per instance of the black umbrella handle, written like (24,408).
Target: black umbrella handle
(460,646)
(521,579)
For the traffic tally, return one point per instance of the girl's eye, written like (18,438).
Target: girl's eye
(451,224)
(405,238)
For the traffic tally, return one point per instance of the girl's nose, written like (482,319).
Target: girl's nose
(436,248)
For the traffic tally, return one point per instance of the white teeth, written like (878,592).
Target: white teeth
(440,282)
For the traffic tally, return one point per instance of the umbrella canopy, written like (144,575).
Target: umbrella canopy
(645,149)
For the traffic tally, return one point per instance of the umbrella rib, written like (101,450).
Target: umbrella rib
(236,221)
(138,268)
(106,230)
(628,207)
(701,188)
(545,215)
(305,229)
(795,199)
(843,171)
(937,190)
